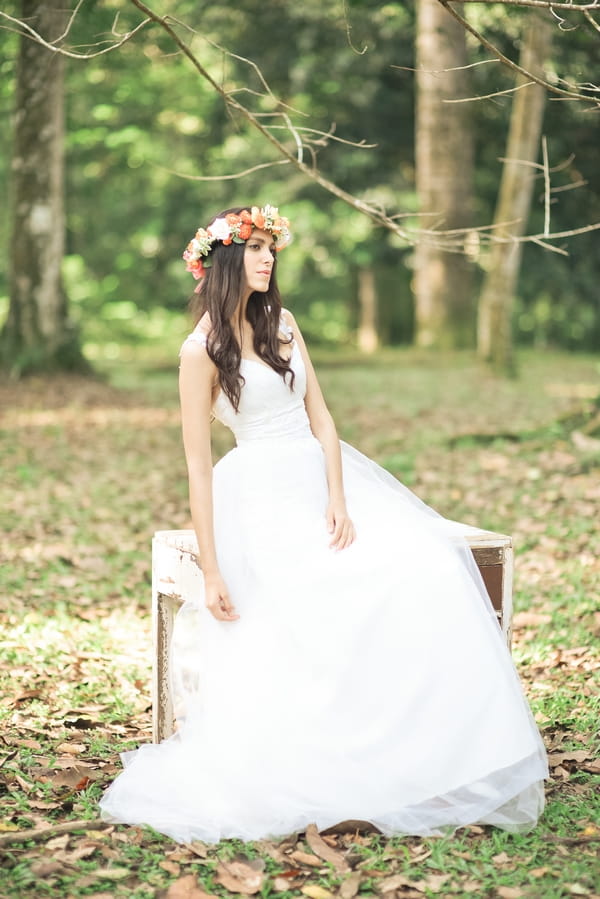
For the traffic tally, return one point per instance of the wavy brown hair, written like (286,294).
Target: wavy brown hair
(220,293)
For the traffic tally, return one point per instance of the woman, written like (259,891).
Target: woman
(327,673)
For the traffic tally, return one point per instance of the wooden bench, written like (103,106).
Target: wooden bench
(175,576)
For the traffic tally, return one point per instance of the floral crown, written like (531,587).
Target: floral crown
(234,228)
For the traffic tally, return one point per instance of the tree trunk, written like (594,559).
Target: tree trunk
(368,340)
(444,306)
(37,334)
(494,331)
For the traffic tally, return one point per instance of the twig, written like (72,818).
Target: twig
(509,90)
(27,31)
(542,4)
(573,841)
(41,833)
(572,94)
(546,186)
(235,176)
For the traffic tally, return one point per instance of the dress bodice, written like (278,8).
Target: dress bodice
(269,408)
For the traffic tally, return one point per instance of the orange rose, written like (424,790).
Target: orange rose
(232,219)
(227,241)
(245,231)
(257,218)
(246,217)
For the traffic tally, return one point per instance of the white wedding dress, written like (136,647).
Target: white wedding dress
(371,683)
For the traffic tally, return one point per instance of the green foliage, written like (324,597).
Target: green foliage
(141,117)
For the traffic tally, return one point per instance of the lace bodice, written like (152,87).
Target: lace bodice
(268,407)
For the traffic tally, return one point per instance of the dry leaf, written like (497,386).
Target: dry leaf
(433,882)
(60,842)
(241,876)
(111,873)
(187,888)
(393,883)
(509,892)
(281,884)
(170,867)
(350,886)
(46,868)
(324,851)
(577,755)
(314,891)
(71,748)
(501,858)
(530,619)
(303,858)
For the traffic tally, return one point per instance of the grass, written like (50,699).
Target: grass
(92,468)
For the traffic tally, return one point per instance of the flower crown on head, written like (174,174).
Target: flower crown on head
(234,228)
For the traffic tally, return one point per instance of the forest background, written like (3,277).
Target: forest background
(139,117)
(91,466)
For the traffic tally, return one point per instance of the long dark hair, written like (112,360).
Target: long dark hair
(219,295)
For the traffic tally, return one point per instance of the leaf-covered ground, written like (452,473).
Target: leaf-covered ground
(90,469)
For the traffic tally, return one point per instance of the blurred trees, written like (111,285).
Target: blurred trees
(138,115)
(514,201)
(37,332)
(443,281)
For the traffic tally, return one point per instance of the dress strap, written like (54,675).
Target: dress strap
(284,327)
(194,337)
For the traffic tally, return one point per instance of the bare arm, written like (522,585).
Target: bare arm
(197,376)
(323,427)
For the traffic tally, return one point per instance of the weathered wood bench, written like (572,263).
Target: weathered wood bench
(175,576)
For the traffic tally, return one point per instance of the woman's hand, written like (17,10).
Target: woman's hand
(217,599)
(339,526)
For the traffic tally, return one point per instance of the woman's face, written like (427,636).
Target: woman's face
(259,256)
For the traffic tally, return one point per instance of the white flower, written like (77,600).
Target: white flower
(220,229)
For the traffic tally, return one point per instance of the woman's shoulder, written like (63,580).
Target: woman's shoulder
(287,323)
(198,338)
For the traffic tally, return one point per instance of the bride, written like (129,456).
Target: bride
(344,661)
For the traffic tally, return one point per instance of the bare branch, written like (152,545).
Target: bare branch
(328,135)
(510,90)
(591,20)
(546,186)
(235,176)
(471,65)
(541,4)
(572,94)
(25,30)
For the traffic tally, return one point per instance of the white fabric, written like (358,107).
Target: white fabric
(371,683)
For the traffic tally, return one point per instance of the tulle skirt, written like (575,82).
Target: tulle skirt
(371,683)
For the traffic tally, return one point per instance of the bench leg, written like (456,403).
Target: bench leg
(162,630)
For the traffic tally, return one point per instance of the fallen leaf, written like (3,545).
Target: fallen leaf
(393,883)
(187,888)
(578,889)
(509,892)
(281,884)
(530,619)
(47,868)
(304,858)
(314,891)
(241,876)
(350,886)
(71,748)
(433,882)
(59,842)
(501,858)
(324,851)
(111,873)
(170,867)
(577,755)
